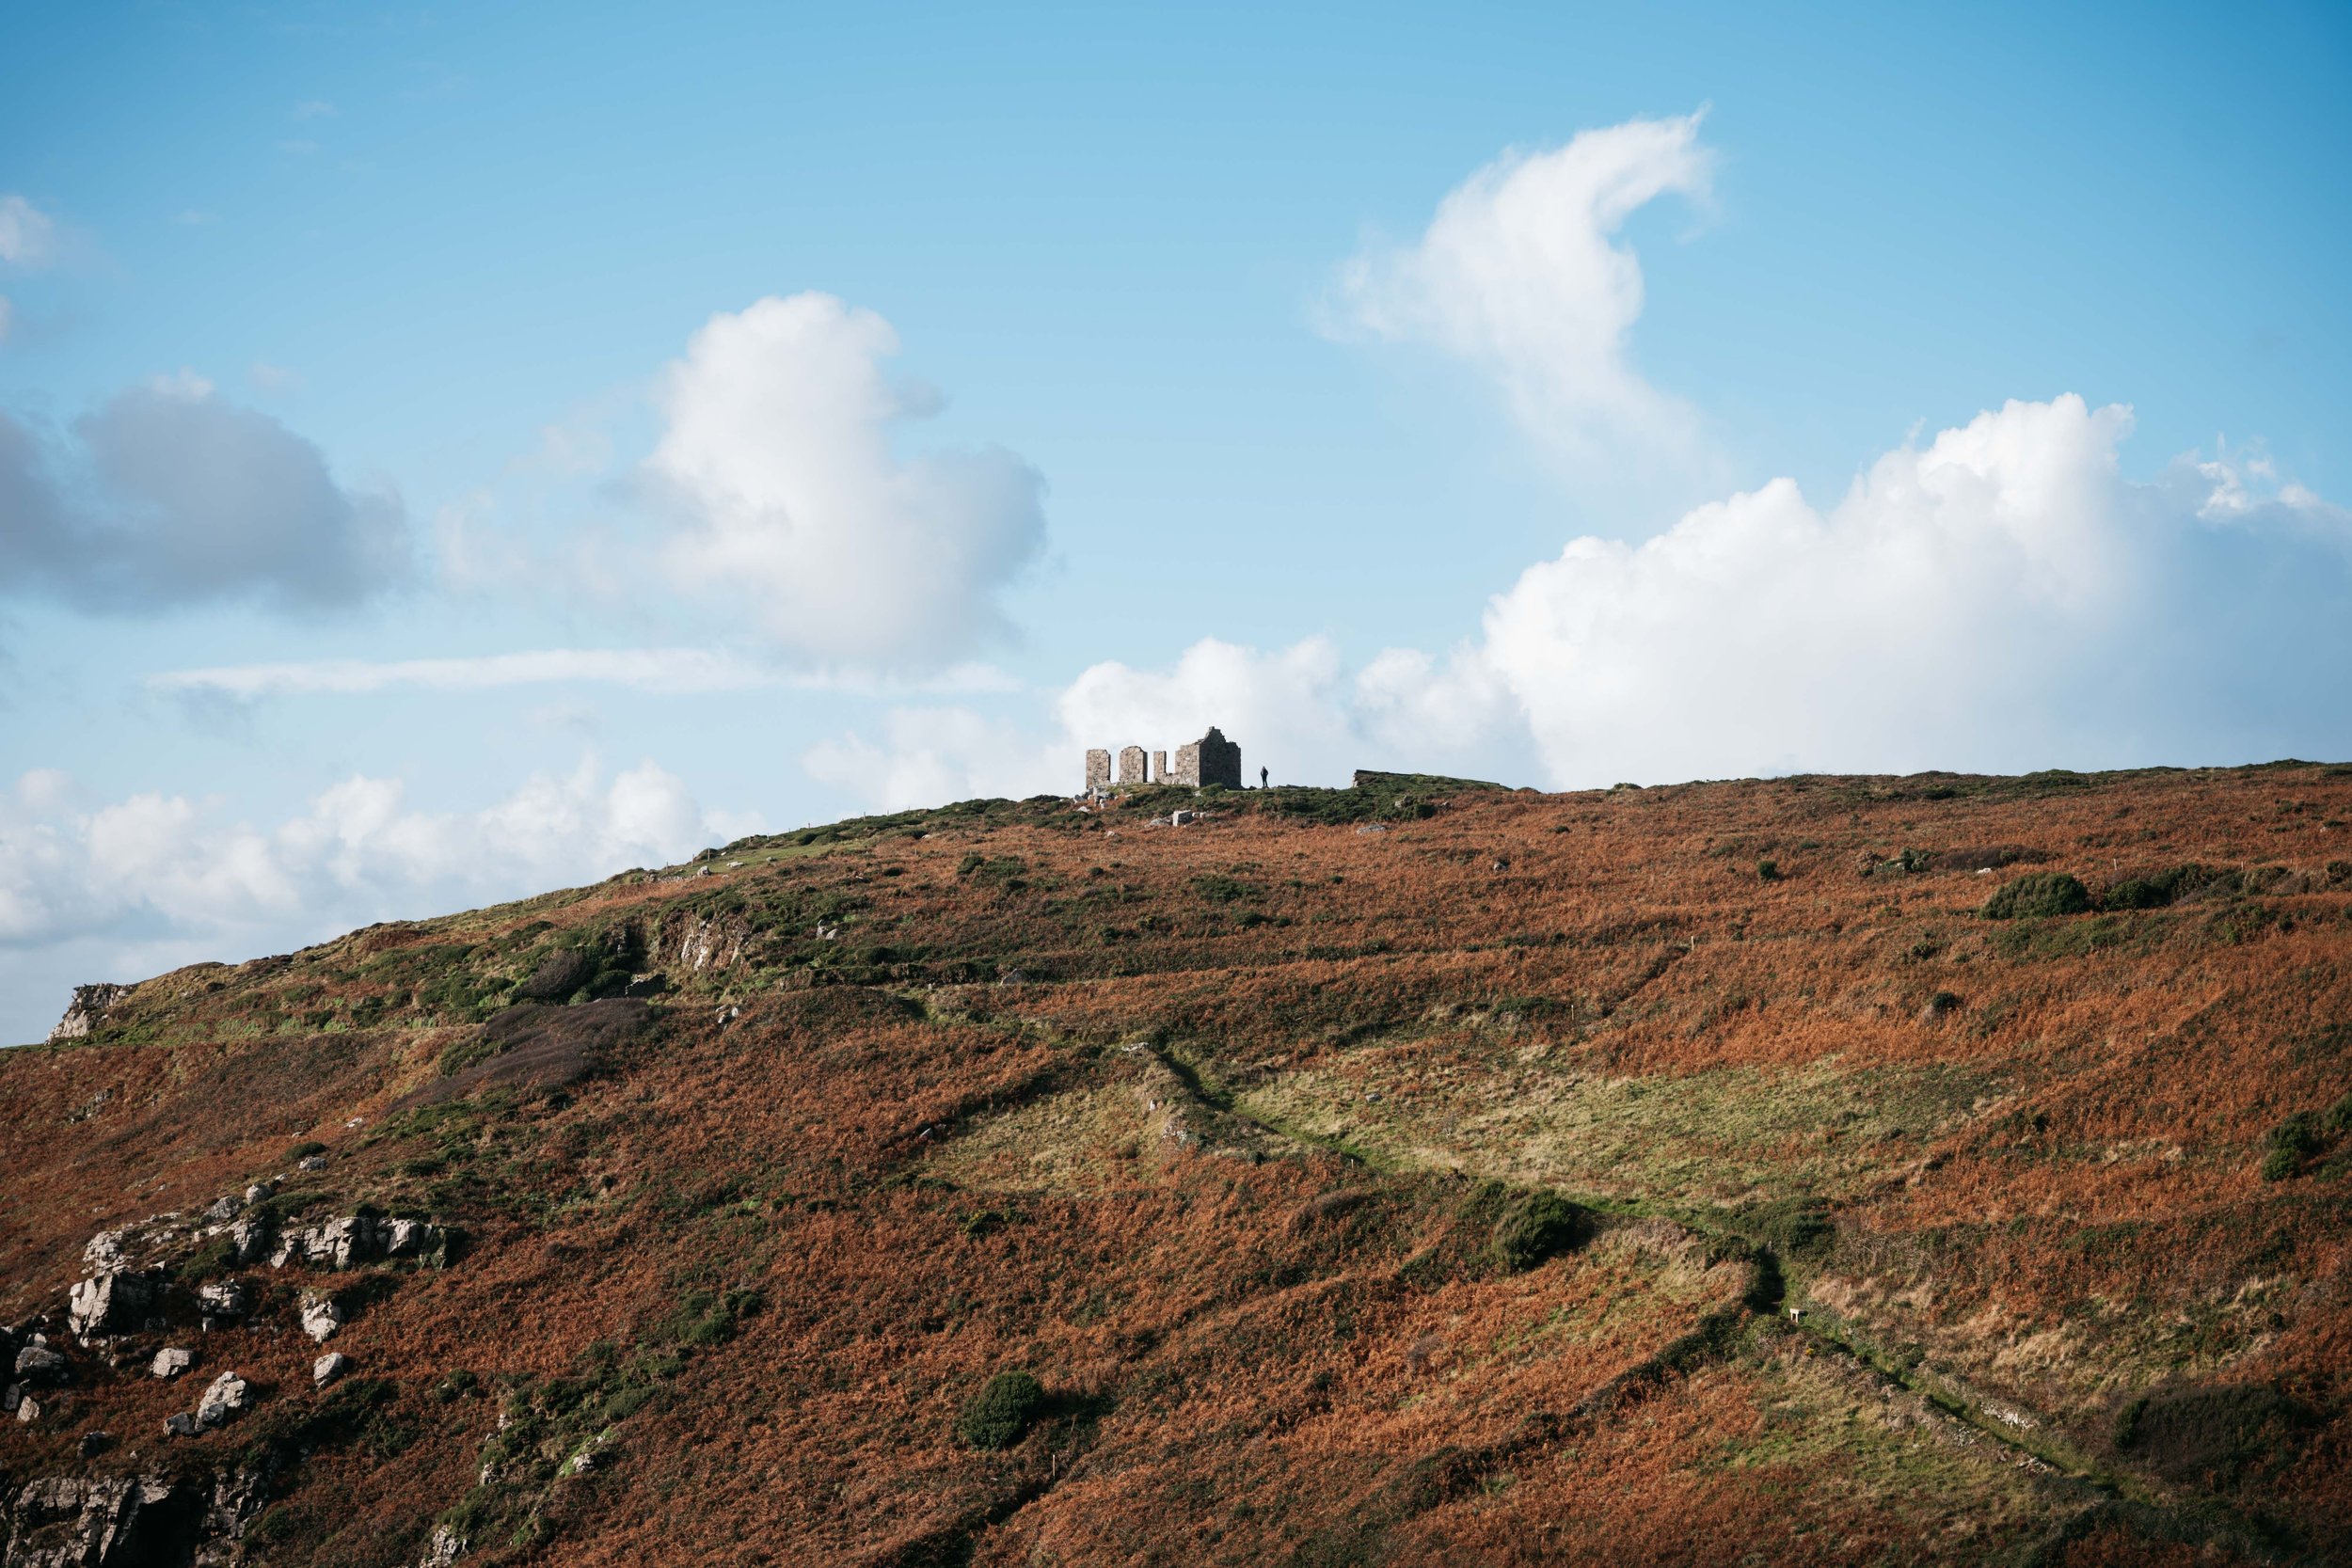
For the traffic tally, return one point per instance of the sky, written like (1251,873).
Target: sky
(447,454)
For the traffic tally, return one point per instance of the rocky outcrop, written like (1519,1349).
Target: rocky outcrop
(110,1304)
(321,1317)
(40,1365)
(87,1011)
(129,1521)
(250,1237)
(444,1548)
(356,1239)
(222,1298)
(72,1522)
(229,1398)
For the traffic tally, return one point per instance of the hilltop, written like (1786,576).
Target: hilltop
(1821,1170)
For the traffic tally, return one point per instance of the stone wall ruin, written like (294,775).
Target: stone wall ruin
(1200,764)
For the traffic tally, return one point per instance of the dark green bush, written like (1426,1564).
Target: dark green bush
(1000,1413)
(304,1150)
(1768,870)
(2292,1142)
(2160,888)
(1538,1226)
(2036,894)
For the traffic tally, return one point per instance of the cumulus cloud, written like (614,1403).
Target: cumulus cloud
(168,494)
(1999,598)
(787,497)
(156,879)
(1522,275)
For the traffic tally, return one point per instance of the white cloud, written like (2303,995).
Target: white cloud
(28,236)
(789,500)
(314,108)
(1520,275)
(168,494)
(130,885)
(2001,598)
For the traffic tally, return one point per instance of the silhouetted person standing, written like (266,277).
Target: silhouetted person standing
(1261,778)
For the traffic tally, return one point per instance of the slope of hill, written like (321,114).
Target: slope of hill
(1827,1170)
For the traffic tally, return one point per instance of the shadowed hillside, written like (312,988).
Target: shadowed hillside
(1825,1170)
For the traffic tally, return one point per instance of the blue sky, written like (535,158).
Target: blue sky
(1137,332)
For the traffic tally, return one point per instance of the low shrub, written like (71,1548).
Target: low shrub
(2160,888)
(2038,894)
(1001,1413)
(1538,1226)
(2296,1139)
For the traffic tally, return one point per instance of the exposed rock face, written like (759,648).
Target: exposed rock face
(321,1317)
(87,1009)
(110,1304)
(171,1361)
(68,1522)
(356,1239)
(327,1367)
(229,1398)
(127,1521)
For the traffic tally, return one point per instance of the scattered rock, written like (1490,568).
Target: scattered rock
(87,1011)
(103,1251)
(221,1298)
(250,1236)
(321,1317)
(327,1367)
(171,1361)
(109,1304)
(229,1398)
(38,1366)
(27,1409)
(94,1443)
(224,1208)
(1366,829)
(11,1398)
(311,1162)
(181,1424)
(259,1191)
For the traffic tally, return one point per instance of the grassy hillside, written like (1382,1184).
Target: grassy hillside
(1827,1170)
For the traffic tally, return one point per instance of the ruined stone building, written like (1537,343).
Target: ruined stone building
(1210,760)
